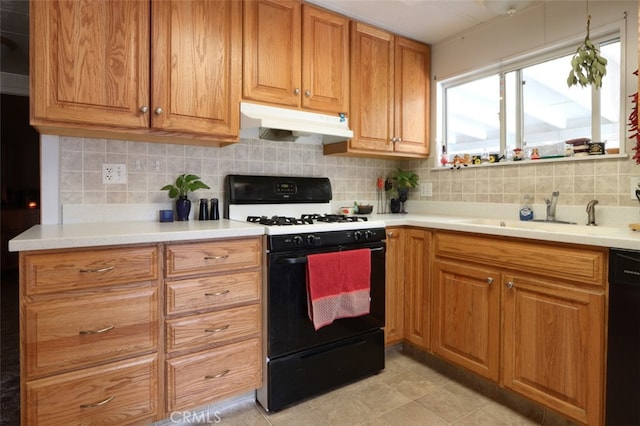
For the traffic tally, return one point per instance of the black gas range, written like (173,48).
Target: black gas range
(300,361)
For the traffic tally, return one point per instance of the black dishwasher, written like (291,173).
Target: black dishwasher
(623,354)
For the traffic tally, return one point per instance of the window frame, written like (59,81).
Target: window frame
(610,33)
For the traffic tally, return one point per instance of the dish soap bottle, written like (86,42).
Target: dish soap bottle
(526,213)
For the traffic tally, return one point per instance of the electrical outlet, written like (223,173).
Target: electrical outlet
(635,184)
(113,174)
(426,189)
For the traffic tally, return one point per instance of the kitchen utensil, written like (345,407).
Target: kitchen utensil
(379,187)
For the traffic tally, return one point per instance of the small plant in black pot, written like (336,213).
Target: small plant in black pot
(185,183)
(403,181)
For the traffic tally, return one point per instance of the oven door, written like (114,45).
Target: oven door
(289,328)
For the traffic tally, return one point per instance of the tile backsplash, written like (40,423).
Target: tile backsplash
(152,165)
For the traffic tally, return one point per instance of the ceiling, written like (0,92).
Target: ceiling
(429,21)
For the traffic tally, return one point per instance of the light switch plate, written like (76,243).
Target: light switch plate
(426,189)
(113,174)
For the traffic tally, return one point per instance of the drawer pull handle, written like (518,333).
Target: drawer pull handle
(98,404)
(105,269)
(102,330)
(224,256)
(216,330)
(216,376)
(218,293)
(509,284)
(489,280)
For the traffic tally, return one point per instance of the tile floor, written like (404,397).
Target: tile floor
(406,393)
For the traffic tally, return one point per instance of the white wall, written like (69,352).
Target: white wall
(542,26)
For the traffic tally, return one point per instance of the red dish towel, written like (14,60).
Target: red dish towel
(338,285)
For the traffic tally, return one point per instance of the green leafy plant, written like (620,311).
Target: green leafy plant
(405,178)
(587,66)
(185,183)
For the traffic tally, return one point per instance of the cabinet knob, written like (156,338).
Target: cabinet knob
(307,93)
(389,234)
(158,111)
(398,140)
(509,284)
(144,109)
(296,91)
(489,280)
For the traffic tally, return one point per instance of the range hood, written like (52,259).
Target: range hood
(281,124)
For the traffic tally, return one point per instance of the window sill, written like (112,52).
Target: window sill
(508,163)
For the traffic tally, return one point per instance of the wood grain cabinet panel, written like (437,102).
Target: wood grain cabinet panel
(167,71)
(390,96)
(213,256)
(553,346)
(207,329)
(295,55)
(49,272)
(121,393)
(417,303)
(80,331)
(213,292)
(196,379)
(395,285)
(466,316)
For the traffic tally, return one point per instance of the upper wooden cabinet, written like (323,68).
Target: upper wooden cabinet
(295,56)
(149,70)
(390,91)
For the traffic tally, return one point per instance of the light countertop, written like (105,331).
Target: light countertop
(42,237)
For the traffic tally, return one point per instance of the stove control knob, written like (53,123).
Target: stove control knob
(297,240)
(311,240)
(368,235)
(357,235)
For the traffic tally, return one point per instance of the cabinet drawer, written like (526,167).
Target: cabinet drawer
(585,265)
(213,292)
(74,270)
(212,256)
(115,394)
(74,332)
(216,327)
(196,379)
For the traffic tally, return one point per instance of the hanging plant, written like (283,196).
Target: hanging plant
(633,125)
(587,66)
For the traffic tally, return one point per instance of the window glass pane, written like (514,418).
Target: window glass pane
(610,96)
(553,112)
(472,117)
(511,111)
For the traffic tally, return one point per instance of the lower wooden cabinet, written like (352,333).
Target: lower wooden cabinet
(119,393)
(394,297)
(417,289)
(553,340)
(466,316)
(195,379)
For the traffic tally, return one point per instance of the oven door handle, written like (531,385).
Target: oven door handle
(303,259)
(292,260)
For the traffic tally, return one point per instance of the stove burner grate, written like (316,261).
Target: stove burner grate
(305,219)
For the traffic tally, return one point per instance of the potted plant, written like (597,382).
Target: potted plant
(185,183)
(403,181)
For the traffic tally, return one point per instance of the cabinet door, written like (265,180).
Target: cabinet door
(196,69)
(417,287)
(271,51)
(394,305)
(412,97)
(466,317)
(325,60)
(372,76)
(90,62)
(553,346)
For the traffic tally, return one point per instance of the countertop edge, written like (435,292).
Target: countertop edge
(45,237)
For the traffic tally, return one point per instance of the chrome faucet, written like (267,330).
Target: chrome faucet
(591,213)
(551,206)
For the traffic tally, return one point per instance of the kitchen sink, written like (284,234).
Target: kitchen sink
(558,227)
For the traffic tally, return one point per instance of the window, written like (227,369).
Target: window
(529,105)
